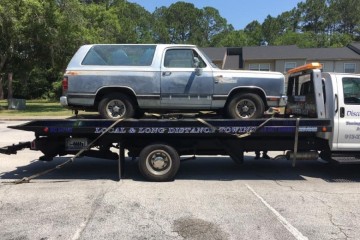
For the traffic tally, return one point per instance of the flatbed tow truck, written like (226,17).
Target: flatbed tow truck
(321,119)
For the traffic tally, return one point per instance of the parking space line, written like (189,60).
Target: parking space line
(296,233)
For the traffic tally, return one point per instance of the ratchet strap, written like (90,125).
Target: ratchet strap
(296,142)
(215,130)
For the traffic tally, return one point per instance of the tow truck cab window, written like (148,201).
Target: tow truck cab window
(301,96)
(351,88)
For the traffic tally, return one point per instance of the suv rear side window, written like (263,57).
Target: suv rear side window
(120,55)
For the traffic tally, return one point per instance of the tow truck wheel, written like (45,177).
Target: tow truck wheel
(326,156)
(245,106)
(159,162)
(116,106)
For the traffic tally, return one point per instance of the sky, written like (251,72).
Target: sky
(239,13)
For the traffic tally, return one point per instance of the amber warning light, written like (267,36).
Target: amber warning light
(305,67)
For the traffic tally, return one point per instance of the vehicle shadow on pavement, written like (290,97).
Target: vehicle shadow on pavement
(82,168)
(225,169)
(219,168)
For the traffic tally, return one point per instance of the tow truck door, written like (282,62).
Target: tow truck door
(347,113)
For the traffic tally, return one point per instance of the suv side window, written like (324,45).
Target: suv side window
(93,57)
(120,55)
(182,58)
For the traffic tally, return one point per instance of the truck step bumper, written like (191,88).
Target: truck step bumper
(343,159)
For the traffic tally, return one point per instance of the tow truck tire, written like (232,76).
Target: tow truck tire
(326,156)
(116,106)
(238,159)
(245,106)
(159,162)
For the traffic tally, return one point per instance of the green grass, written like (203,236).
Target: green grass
(35,108)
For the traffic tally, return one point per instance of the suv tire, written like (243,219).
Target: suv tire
(116,106)
(245,106)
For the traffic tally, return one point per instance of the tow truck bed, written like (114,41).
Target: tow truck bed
(176,127)
(167,139)
(138,133)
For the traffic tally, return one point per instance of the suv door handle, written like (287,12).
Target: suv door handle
(166,74)
(217,78)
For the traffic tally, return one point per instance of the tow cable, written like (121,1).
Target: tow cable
(296,139)
(249,133)
(71,160)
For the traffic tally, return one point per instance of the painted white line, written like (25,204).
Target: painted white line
(81,228)
(296,233)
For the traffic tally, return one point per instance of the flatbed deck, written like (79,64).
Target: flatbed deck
(190,136)
(160,142)
(176,127)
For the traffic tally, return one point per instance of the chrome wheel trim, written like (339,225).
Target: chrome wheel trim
(116,109)
(245,108)
(158,162)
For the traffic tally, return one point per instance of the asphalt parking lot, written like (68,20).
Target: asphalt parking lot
(211,198)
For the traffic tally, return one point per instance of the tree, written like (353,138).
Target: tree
(182,22)
(271,28)
(136,23)
(305,40)
(289,20)
(1,87)
(9,31)
(313,13)
(102,23)
(254,33)
(211,24)
(11,36)
(181,19)
(347,15)
(231,39)
(160,29)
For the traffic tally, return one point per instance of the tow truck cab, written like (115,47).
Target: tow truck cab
(335,96)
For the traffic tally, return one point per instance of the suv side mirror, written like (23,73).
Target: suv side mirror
(198,70)
(196,62)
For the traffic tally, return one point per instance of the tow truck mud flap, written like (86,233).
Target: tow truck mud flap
(233,150)
(50,147)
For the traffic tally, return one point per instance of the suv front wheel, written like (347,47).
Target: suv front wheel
(116,106)
(245,106)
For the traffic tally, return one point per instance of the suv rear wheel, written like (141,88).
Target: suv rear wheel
(116,106)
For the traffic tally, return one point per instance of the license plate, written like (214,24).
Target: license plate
(76,143)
